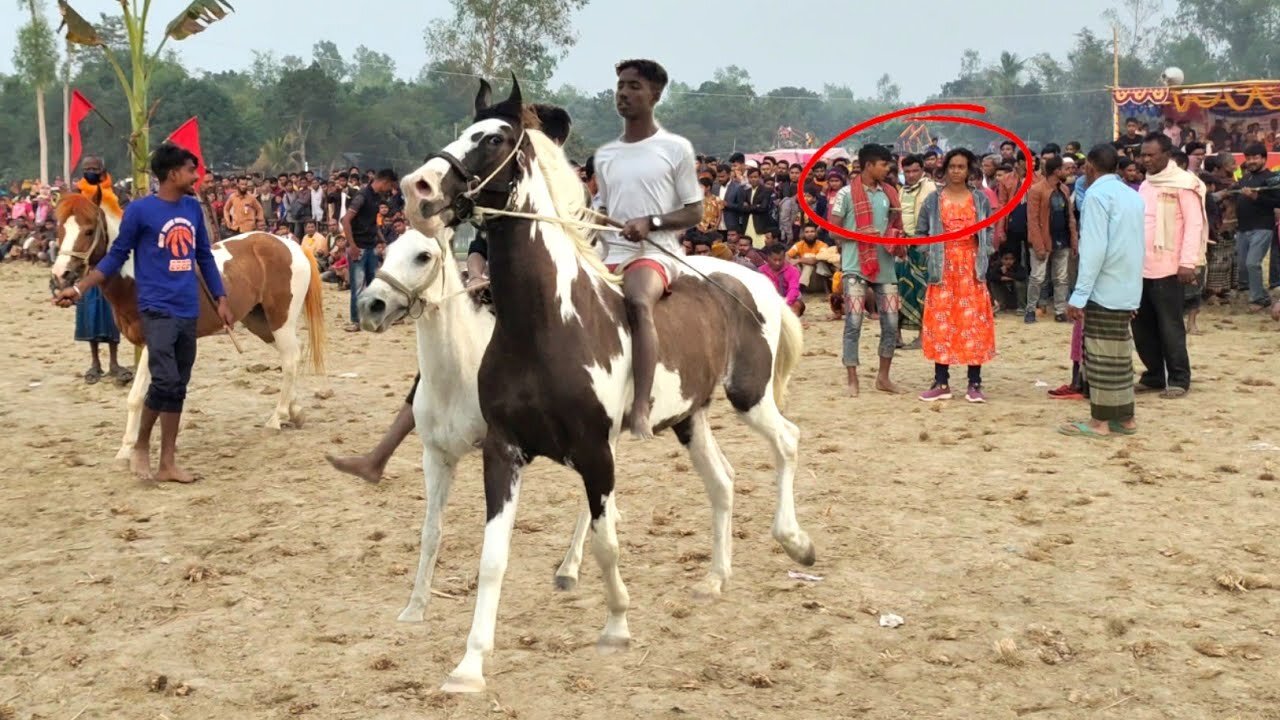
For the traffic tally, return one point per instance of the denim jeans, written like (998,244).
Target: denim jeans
(1252,245)
(888,302)
(360,274)
(1060,259)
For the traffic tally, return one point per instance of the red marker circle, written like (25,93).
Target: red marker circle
(959,120)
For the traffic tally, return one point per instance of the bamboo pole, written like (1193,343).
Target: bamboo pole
(1115,79)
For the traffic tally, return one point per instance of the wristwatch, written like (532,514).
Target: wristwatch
(655,222)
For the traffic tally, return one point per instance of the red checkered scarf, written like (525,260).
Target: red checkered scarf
(864,222)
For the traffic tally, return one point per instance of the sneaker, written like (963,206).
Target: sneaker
(1066,392)
(937,392)
(974,394)
(1029,318)
(1060,317)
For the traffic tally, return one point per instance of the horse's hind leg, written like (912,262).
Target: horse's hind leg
(596,467)
(133,420)
(695,434)
(286,343)
(784,437)
(567,574)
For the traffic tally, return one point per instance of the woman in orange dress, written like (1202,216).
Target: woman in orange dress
(958,327)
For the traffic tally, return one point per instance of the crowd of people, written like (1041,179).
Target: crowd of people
(760,215)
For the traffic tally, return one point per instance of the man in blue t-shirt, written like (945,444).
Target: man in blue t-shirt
(166,234)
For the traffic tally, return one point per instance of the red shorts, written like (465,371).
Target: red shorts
(655,266)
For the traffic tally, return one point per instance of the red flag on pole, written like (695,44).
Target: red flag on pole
(188,136)
(80,108)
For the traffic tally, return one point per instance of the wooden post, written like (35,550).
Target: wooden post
(1115,79)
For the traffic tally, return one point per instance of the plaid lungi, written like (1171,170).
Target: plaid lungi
(1108,350)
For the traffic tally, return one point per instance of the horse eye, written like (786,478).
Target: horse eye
(423,257)
(496,140)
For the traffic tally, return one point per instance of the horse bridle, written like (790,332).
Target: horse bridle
(100,236)
(416,296)
(464,204)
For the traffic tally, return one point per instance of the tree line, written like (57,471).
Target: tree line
(278,113)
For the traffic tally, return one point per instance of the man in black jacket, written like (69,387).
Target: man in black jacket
(730,189)
(1255,211)
(758,205)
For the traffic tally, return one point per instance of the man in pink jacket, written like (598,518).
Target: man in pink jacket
(784,276)
(1176,236)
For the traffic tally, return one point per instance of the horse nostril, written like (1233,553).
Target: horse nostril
(423,187)
(377,306)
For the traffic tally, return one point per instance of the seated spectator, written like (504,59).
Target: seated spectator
(1007,281)
(318,243)
(815,275)
(784,275)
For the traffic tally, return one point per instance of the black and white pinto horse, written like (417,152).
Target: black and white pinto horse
(555,380)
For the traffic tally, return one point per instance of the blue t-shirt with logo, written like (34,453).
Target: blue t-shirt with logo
(168,240)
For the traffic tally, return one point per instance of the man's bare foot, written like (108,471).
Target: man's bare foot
(888,386)
(174,473)
(641,428)
(853,385)
(359,465)
(140,463)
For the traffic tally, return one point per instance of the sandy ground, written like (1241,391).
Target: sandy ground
(1039,576)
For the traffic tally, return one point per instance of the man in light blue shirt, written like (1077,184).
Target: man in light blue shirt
(1108,291)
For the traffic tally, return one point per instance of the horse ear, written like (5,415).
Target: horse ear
(482,97)
(515,98)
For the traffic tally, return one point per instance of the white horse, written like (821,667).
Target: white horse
(420,278)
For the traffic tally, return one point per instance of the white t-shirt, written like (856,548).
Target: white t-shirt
(650,177)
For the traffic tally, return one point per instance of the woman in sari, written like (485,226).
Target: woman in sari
(958,326)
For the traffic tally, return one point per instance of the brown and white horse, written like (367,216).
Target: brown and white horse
(555,380)
(270,283)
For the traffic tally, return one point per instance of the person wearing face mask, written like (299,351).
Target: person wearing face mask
(95,323)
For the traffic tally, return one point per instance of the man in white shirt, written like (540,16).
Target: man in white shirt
(648,180)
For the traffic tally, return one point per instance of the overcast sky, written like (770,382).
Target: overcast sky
(919,48)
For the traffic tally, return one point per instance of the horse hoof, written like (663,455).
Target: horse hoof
(456,684)
(273,423)
(411,615)
(124,455)
(612,645)
(564,583)
(709,589)
(805,555)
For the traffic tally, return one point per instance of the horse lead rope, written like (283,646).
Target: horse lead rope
(583,224)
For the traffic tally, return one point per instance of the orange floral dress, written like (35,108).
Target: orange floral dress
(959,327)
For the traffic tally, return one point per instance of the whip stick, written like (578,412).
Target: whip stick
(209,294)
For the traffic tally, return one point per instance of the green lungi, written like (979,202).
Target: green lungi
(1108,362)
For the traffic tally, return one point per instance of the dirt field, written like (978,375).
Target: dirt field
(1039,576)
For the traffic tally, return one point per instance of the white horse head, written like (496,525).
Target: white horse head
(413,277)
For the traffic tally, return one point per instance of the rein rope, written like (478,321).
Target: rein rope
(417,297)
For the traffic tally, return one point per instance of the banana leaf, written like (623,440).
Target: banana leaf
(79,30)
(197,16)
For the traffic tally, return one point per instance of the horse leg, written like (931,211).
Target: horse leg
(438,473)
(503,464)
(567,574)
(695,434)
(597,471)
(784,437)
(286,343)
(133,419)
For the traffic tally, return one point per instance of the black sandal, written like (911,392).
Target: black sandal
(92,376)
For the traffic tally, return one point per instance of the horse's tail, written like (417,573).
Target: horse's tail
(790,348)
(313,306)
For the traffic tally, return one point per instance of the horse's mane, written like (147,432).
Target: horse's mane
(565,188)
(72,204)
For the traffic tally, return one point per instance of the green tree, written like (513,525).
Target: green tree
(497,37)
(36,58)
(1243,33)
(141,63)
(327,55)
(372,69)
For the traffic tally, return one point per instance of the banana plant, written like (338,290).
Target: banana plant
(136,83)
